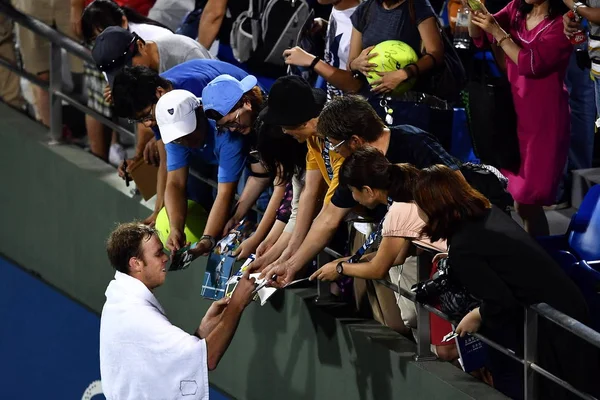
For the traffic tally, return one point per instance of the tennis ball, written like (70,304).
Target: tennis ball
(195,222)
(393,55)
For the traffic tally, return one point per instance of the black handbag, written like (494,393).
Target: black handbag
(447,80)
(492,119)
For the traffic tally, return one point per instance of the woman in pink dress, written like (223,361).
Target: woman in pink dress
(530,34)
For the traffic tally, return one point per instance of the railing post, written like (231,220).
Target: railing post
(56,124)
(423,331)
(530,353)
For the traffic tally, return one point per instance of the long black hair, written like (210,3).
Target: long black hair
(281,154)
(555,8)
(369,167)
(100,14)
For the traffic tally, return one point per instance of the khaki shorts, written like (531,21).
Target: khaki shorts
(35,50)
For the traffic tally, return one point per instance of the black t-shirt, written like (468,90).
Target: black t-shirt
(378,24)
(408,144)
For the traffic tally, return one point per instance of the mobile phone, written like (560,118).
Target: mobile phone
(475,5)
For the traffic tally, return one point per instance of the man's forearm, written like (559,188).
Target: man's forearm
(143,137)
(254,187)
(341,79)
(218,216)
(268,219)
(219,339)
(209,26)
(161,178)
(176,204)
(320,234)
(304,218)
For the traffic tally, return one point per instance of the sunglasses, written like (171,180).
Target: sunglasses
(332,147)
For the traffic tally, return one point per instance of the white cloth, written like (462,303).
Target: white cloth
(143,355)
(148,31)
(337,44)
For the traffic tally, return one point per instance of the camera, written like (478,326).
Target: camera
(430,289)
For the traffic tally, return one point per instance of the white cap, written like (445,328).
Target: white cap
(176,114)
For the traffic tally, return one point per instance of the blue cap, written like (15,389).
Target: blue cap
(222,93)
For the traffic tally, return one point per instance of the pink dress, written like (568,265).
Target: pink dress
(541,102)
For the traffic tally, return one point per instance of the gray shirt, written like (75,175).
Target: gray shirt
(378,24)
(177,49)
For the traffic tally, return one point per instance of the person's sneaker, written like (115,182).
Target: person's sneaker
(116,155)
(559,206)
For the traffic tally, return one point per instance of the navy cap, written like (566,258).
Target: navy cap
(113,50)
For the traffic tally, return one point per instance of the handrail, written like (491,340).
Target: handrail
(571,324)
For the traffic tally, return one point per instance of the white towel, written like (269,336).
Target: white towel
(143,355)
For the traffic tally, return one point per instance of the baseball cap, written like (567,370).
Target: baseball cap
(175,114)
(222,93)
(292,101)
(114,49)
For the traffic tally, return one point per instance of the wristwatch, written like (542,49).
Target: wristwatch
(340,268)
(576,7)
(213,242)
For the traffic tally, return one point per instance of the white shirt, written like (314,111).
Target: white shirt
(143,355)
(337,44)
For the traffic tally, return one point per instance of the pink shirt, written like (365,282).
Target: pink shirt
(403,220)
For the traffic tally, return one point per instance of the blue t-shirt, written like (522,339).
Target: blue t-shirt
(226,150)
(194,75)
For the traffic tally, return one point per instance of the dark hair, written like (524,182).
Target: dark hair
(100,14)
(126,242)
(253,96)
(345,116)
(134,89)
(280,154)
(369,167)
(448,201)
(555,8)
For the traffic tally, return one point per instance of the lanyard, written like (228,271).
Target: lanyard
(373,237)
(326,159)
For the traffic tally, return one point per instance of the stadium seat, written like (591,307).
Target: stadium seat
(582,239)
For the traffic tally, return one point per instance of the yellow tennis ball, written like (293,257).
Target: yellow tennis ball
(393,55)
(195,222)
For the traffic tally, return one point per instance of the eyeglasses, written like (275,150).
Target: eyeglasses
(147,118)
(332,147)
(232,125)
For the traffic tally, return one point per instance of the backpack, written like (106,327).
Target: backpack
(268,28)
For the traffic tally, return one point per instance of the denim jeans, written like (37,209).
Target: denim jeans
(583,116)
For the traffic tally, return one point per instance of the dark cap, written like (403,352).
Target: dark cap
(113,50)
(292,101)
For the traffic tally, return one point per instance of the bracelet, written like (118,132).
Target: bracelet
(410,72)
(314,63)
(499,44)
(435,63)
(213,242)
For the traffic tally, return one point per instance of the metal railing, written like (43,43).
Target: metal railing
(530,328)
(530,368)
